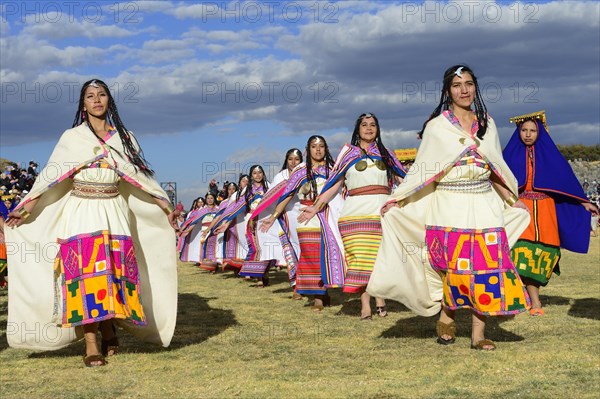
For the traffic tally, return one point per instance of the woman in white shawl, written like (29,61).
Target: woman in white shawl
(94,241)
(457,212)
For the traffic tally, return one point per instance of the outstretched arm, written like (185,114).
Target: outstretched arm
(17,217)
(310,211)
(266,224)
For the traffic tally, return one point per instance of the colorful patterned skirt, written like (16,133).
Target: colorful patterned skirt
(235,245)
(537,253)
(97,279)
(361,236)
(477,270)
(259,259)
(209,252)
(467,244)
(308,275)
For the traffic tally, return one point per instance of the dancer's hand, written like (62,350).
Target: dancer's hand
(591,208)
(387,207)
(266,224)
(521,204)
(306,214)
(15,219)
(173,219)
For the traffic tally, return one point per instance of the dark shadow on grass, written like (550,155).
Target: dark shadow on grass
(196,322)
(352,307)
(424,328)
(554,300)
(587,308)
(285,290)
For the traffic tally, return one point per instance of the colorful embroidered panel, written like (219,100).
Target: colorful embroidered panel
(257,268)
(308,277)
(361,236)
(288,249)
(96,277)
(535,260)
(477,270)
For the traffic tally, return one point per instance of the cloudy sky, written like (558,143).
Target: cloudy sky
(210,88)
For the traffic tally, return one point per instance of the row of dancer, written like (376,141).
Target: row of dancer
(338,249)
(446,232)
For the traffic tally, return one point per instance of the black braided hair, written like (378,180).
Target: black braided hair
(328,164)
(239,185)
(385,156)
(135,156)
(287,154)
(446,100)
(248,194)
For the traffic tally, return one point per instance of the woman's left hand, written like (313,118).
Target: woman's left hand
(593,209)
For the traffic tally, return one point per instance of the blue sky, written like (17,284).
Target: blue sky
(211,88)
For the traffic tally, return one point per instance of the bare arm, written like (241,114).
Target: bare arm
(266,224)
(506,194)
(310,211)
(593,209)
(16,218)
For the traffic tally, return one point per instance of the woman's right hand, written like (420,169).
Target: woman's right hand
(14,219)
(222,228)
(266,224)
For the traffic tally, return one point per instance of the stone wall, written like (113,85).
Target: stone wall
(586,170)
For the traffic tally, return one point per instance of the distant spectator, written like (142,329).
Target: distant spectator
(213,187)
(32,170)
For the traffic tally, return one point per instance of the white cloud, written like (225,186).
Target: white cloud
(65,28)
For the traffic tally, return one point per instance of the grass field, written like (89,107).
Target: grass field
(236,340)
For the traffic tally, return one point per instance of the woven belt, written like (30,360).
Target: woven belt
(533,195)
(94,190)
(466,186)
(306,202)
(370,190)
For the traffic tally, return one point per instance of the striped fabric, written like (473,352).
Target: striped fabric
(209,254)
(308,276)
(256,269)
(361,236)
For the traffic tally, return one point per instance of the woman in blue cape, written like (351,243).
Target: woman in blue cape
(560,210)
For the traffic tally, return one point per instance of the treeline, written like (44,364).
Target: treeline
(579,151)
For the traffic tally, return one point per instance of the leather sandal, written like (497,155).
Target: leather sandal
(381,311)
(110,347)
(89,360)
(366,318)
(536,312)
(481,345)
(445,329)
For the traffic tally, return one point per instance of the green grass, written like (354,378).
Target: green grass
(236,340)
